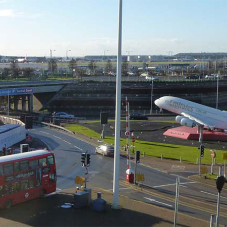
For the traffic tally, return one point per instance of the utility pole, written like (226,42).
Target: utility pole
(118,116)
(176,201)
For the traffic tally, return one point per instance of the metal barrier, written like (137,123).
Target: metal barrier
(9,120)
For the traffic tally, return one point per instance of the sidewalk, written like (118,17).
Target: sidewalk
(48,212)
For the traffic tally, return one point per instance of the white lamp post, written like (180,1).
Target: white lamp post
(67,54)
(104,54)
(152,95)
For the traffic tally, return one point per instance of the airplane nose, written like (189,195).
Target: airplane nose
(157,102)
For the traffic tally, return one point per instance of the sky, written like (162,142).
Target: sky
(90,27)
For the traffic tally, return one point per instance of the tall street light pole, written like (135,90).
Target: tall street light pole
(51,63)
(217,91)
(104,54)
(152,96)
(117,116)
(67,54)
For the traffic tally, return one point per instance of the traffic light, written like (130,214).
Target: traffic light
(88,160)
(220,181)
(83,158)
(137,156)
(202,150)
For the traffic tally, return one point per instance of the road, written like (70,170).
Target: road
(196,200)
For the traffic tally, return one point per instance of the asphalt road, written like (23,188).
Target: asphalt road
(196,200)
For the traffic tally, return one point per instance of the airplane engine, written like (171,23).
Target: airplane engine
(178,119)
(187,122)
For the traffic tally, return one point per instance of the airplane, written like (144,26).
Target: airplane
(21,60)
(192,114)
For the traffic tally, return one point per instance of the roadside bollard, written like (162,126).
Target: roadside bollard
(144,154)
(180,159)
(212,218)
(161,156)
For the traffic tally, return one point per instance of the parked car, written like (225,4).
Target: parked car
(192,77)
(150,78)
(144,74)
(63,115)
(131,73)
(105,150)
(210,77)
(138,116)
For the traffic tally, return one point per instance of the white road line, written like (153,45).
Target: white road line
(119,189)
(78,148)
(183,186)
(57,137)
(153,200)
(165,185)
(213,194)
(45,132)
(67,142)
(58,189)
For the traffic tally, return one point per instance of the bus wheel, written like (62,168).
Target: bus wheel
(8,203)
(43,193)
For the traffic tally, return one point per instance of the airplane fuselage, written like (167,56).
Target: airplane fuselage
(180,106)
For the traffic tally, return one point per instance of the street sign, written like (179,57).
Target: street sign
(212,154)
(203,170)
(28,139)
(140,177)
(133,139)
(79,180)
(127,133)
(224,156)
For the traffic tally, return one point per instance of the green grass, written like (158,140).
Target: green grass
(98,121)
(170,151)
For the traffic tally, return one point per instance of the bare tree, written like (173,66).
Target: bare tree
(108,67)
(14,67)
(92,67)
(5,73)
(52,65)
(73,66)
(125,68)
(28,73)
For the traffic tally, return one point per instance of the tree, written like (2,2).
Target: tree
(15,69)
(28,72)
(92,67)
(5,73)
(124,68)
(108,67)
(73,66)
(52,65)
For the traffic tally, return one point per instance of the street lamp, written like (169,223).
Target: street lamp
(51,63)
(217,91)
(67,54)
(152,80)
(128,53)
(169,54)
(104,54)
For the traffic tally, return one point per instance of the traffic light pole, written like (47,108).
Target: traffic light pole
(218,201)
(135,173)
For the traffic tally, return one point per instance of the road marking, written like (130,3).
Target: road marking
(213,194)
(58,189)
(78,148)
(183,186)
(57,137)
(45,132)
(67,142)
(120,189)
(165,185)
(153,200)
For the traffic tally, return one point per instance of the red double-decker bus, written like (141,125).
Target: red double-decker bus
(26,176)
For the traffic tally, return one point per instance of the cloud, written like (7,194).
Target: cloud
(9,13)
(3,1)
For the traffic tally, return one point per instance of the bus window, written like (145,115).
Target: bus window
(16,167)
(8,168)
(33,164)
(24,185)
(31,184)
(42,162)
(1,190)
(8,189)
(50,160)
(52,177)
(1,170)
(24,165)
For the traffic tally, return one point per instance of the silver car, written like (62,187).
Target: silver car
(105,150)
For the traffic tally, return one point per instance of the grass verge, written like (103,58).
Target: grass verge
(169,151)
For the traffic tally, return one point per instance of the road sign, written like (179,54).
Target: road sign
(79,180)
(139,177)
(212,154)
(133,139)
(224,156)
(127,133)
(203,170)
(28,139)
